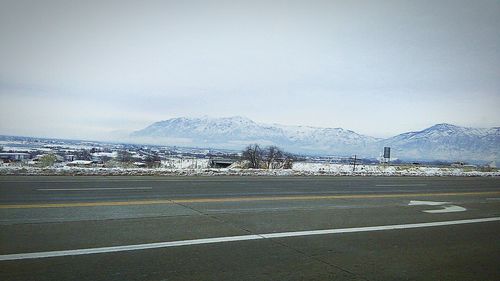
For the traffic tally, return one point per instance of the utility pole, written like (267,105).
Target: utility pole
(354,164)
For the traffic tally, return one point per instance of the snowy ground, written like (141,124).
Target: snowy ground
(299,169)
(389,170)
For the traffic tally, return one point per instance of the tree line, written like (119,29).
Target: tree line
(271,157)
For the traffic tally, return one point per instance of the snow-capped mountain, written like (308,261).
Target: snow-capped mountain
(237,132)
(439,142)
(447,142)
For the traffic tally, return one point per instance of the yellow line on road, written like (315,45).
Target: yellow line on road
(241,199)
(85,204)
(323,197)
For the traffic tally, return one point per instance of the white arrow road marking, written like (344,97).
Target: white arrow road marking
(428,203)
(446,209)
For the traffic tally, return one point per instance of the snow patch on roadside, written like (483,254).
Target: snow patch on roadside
(298,169)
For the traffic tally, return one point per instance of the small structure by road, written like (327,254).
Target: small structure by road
(14,156)
(221,162)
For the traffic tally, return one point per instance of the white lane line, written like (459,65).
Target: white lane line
(492,198)
(234,238)
(413,184)
(97,188)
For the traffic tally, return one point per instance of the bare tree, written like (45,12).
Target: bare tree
(47,160)
(288,162)
(253,153)
(274,157)
(153,160)
(124,156)
(105,159)
(83,154)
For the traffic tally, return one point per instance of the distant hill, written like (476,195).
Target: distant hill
(439,142)
(447,142)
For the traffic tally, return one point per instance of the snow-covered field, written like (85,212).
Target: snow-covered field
(388,170)
(299,169)
(185,163)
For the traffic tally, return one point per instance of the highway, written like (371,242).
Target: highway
(249,228)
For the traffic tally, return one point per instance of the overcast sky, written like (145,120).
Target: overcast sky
(82,69)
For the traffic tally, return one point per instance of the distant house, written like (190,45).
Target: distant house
(69,158)
(80,163)
(14,156)
(101,156)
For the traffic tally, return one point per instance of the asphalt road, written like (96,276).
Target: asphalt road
(250,228)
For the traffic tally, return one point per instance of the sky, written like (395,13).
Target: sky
(99,69)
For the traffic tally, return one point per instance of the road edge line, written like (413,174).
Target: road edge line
(77,252)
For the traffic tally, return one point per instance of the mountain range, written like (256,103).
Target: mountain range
(439,142)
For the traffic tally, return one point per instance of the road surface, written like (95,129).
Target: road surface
(249,228)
